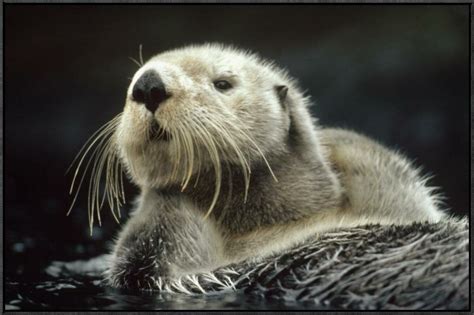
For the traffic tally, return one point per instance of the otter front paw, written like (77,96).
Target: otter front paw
(137,264)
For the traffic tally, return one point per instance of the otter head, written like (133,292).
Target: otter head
(202,108)
(197,109)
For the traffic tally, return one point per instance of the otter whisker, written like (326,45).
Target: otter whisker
(79,188)
(213,151)
(83,176)
(135,61)
(109,158)
(228,138)
(107,127)
(105,160)
(110,182)
(121,185)
(192,138)
(215,136)
(258,150)
(94,182)
(106,157)
(94,135)
(140,53)
(102,154)
(189,148)
(90,208)
(118,181)
(190,159)
(140,57)
(177,148)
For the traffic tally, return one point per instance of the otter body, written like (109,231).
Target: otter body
(231,166)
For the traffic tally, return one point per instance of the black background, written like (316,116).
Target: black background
(397,73)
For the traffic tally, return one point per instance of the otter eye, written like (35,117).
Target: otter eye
(222,85)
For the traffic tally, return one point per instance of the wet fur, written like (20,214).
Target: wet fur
(369,267)
(420,266)
(246,174)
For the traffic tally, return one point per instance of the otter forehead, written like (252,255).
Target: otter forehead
(210,59)
(202,64)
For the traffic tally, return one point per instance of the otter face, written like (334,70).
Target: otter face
(199,108)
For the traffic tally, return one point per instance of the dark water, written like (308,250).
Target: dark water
(78,285)
(88,293)
(84,293)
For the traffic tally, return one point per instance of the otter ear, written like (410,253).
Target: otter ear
(282,91)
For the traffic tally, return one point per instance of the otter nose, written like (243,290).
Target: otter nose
(150,90)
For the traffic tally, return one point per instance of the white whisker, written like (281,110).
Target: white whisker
(102,155)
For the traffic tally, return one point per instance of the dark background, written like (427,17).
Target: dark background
(399,74)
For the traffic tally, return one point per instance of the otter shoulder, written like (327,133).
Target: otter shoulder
(382,185)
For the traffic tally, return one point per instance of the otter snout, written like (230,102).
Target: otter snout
(150,90)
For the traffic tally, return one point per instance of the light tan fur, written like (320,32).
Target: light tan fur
(247,172)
